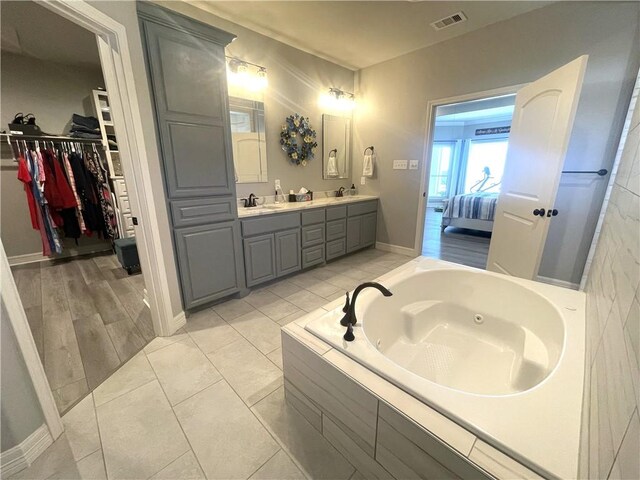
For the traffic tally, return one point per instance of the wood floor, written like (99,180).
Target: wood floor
(458,245)
(87,317)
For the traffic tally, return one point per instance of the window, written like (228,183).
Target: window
(441,163)
(485,165)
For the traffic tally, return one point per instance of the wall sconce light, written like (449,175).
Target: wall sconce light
(339,99)
(246,75)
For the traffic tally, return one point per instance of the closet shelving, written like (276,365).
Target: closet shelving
(123,209)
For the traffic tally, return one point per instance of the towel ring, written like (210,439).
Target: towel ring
(368,148)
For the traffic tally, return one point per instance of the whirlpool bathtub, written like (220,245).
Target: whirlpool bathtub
(501,356)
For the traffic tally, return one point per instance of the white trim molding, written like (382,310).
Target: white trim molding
(25,453)
(387,247)
(27,346)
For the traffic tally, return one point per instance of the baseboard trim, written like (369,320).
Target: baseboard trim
(387,247)
(24,454)
(178,322)
(558,283)
(74,252)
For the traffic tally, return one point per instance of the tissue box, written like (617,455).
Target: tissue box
(301,197)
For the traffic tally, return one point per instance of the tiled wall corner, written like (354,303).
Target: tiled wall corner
(610,440)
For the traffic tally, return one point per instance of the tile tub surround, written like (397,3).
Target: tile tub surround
(270,207)
(307,356)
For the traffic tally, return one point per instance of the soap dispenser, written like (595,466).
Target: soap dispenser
(352,190)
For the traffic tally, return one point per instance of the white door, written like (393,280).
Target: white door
(540,132)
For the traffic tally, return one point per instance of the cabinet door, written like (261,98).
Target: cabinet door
(188,81)
(259,259)
(354,233)
(287,252)
(209,263)
(369,229)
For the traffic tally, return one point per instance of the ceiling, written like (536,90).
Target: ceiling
(358,34)
(32,30)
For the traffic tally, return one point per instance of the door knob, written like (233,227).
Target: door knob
(553,212)
(539,212)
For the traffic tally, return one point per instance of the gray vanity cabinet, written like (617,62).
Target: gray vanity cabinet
(260,259)
(361,225)
(185,62)
(271,247)
(287,252)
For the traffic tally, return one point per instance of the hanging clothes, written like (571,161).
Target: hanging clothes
(103,194)
(72,181)
(24,175)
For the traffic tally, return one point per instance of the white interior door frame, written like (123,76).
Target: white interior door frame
(429,137)
(118,75)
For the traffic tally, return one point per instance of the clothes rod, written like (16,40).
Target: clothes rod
(51,138)
(602,172)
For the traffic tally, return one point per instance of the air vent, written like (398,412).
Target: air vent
(458,17)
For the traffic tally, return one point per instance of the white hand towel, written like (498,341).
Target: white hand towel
(367,165)
(332,166)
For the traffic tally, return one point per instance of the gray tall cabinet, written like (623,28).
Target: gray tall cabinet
(186,67)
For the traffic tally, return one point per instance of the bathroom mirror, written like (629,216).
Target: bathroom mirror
(248,139)
(336,147)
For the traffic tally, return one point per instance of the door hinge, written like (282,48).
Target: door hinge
(134,220)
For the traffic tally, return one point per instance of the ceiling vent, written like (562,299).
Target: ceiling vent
(445,22)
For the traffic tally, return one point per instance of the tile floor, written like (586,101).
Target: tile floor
(458,245)
(87,317)
(208,402)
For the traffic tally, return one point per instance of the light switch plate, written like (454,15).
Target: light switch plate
(400,164)
(363,180)
(413,164)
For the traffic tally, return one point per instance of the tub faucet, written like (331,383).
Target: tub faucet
(349,309)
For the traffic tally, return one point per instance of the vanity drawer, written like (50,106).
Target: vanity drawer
(312,256)
(186,213)
(312,217)
(362,208)
(312,235)
(334,213)
(336,248)
(270,223)
(336,229)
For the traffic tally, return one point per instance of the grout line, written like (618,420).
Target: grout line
(95,412)
(127,392)
(186,437)
(626,431)
(267,461)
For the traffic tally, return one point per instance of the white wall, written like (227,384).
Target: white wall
(296,81)
(20,412)
(611,427)
(52,92)
(393,97)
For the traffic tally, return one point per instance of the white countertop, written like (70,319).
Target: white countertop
(271,208)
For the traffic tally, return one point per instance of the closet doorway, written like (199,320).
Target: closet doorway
(86,313)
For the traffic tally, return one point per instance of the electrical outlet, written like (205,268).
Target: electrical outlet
(363,180)
(400,164)
(413,164)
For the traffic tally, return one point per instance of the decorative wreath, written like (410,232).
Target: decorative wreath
(298,139)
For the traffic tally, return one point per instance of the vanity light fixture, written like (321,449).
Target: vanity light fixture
(246,75)
(340,100)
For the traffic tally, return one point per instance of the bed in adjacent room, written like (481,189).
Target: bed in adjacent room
(474,211)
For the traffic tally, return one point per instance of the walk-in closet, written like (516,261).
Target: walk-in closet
(65,217)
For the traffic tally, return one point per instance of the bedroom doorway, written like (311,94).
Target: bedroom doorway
(468,149)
